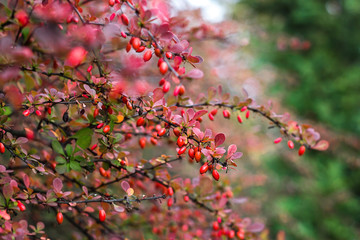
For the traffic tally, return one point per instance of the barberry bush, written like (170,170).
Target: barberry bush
(102,107)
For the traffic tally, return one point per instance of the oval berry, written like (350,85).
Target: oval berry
(140,122)
(180,142)
(163,68)
(162,81)
(198,156)
(243,109)
(214,112)
(89,68)
(2,148)
(136,43)
(26,112)
(181,90)
(161,132)
(204,168)
(166,87)
(191,153)
(302,150)
(21,206)
(215,226)
(211,117)
(102,172)
(247,115)
(102,215)
(96,112)
(170,202)
(290,144)
(142,142)
(59,218)
(186,198)
(147,55)
(182,150)
(124,19)
(93,147)
(239,119)
(276,141)
(168,55)
(215,175)
(100,125)
(226,114)
(106,129)
(170,191)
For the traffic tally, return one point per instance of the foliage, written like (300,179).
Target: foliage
(81,78)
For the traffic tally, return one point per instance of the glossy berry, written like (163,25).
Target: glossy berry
(38,112)
(140,49)
(211,117)
(290,144)
(180,142)
(153,141)
(214,112)
(231,234)
(102,172)
(186,198)
(198,156)
(142,142)
(59,218)
(89,68)
(191,153)
(204,168)
(176,132)
(21,206)
(166,86)
(276,141)
(124,19)
(96,112)
(147,55)
(140,122)
(162,81)
(163,68)
(26,112)
(243,109)
(161,132)
(168,55)
(22,17)
(93,147)
(182,150)
(123,34)
(170,191)
(112,16)
(106,129)
(102,215)
(302,150)
(100,125)
(158,52)
(215,175)
(226,113)
(136,43)
(239,119)
(215,226)
(170,202)
(2,148)
(111,3)
(247,115)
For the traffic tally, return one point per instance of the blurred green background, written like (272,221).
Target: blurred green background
(314,46)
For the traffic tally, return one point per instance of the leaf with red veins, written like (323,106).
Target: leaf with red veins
(58,185)
(167,36)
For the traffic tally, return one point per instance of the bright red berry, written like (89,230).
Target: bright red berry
(231,234)
(180,142)
(111,3)
(214,112)
(96,112)
(124,19)
(182,150)
(21,206)
(215,175)
(176,132)
(112,16)
(123,34)
(128,47)
(170,202)
(186,198)
(277,140)
(153,141)
(59,217)
(158,52)
(290,144)
(239,119)
(211,117)
(102,172)
(100,125)
(215,226)
(93,147)
(163,68)
(140,122)
(170,191)
(89,68)
(22,17)
(49,110)
(147,55)
(243,109)
(198,156)
(102,215)
(26,112)
(166,86)
(247,115)
(142,142)
(136,43)
(302,150)
(191,153)
(226,113)
(38,112)
(204,168)
(168,55)
(2,148)
(140,49)
(161,132)
(106,129)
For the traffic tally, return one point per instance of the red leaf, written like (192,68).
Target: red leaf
(195,73)
(322,145)
(219,139)
(57,183)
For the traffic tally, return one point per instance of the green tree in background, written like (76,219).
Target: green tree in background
(315,47)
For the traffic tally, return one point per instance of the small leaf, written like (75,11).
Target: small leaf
(58,185)
(322,145)
(195,73)
(255,227)
(130,192)
(219,139)
(61,168)
(57,147)
(75,166)
(69,150)
(125,185)
(60,160)
(118,208)
(84,137)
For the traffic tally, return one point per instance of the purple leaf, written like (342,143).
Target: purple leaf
(231,150)
(199,114)
(85,190)
(219,139)
(167,36)
(195,73)
(237,155)
(158,94)
(255,227)
(57,183)
(125,185)
(198,133)
(7,191)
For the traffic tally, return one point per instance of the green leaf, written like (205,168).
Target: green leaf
(84,137)
(61,168)
(69,150)
(75,165)
(57,147)
(60,160)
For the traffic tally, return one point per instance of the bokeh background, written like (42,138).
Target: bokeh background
(305,56)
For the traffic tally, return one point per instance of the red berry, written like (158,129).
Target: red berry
(176,91)
(96,112)
(163,68)
(231,234)
(136,43)
(290,144)
(153,140)
(176,132)
(26,112)
(21,206)
(102,215)
(158,52)
(142,142)
(170,202)
(181,90)
(168,55)
(93,147)
(226,113)
(147,55)
(247,115)
(198,156)
(180,142)
(182,150)
(102,172)
(239,119)
(22,17)
(49,110)
(2,148)
(100,125)
(106,129)
(112,16)
(166,86)
(162,81)
(302,150)
(59,217)
(111,3)
(211,117)
(89,68)
(38,112)
(140,122)
(243,109)
(124,19)
(215,175)
(191,153)
(277,140)
(170,191)
(215,226)
(128,105)
(140,49)
(204,168)
(186,198)
(123,34)
(161,132)
(128,47)
(214,112)
(110,111)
